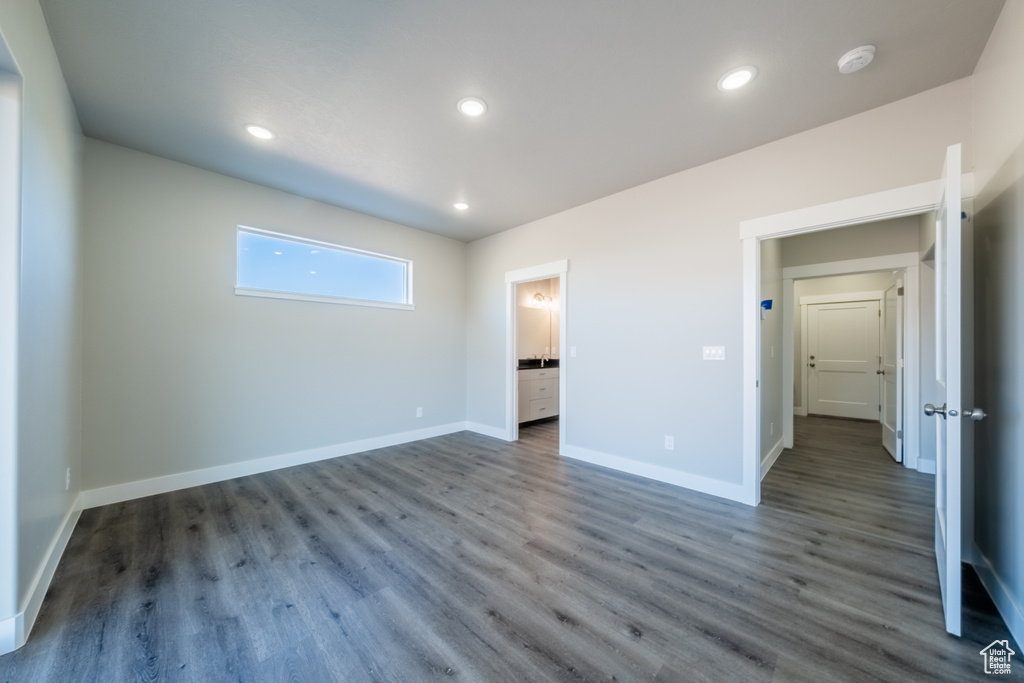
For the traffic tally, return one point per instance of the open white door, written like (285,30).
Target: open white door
(892,371)
(957,385)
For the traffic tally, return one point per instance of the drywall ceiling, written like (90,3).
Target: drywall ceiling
(586,97)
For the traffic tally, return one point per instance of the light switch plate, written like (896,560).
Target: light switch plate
(714,353)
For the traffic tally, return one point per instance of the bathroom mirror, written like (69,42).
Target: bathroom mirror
(537,320)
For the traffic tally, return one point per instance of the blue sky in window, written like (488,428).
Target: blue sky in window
(284,266)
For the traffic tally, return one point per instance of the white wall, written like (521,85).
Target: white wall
(638,374)
(49,323)
(998,102)
(182,374)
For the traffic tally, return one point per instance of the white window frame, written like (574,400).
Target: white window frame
(322,298)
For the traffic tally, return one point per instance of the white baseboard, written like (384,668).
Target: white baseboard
(769,459)
(800,410)
(119,493)
(926,466)
(715,487)
(14,630)
(487,430)
(1005,604)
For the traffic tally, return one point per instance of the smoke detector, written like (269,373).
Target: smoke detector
(856,59)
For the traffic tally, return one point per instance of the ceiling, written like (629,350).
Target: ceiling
(586,97)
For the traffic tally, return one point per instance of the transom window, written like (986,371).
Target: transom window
(281,266)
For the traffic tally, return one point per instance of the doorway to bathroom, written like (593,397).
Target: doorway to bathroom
(535,348)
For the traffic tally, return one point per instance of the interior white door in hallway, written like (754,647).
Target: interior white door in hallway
(891,371)
(843,359)
(954,364)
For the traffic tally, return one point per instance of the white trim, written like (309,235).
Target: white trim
(541,272)
(911,366)
(860,265)
(812,299)
(925,466)
(715,487)
(559,269)
(295,296)
(9,628)
(751,370)
(902,201)
(10,299)
(487,430)
(182,480)
(788,371)
(770,457)
(1008,609)
(800,411)
(15,630)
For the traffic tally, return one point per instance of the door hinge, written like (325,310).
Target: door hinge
(879,408)
(899,292)
(879,313)
(899,363)
(899,433)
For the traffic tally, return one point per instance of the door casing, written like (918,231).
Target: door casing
(904,201)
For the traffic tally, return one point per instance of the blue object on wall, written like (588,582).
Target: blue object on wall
(766,304)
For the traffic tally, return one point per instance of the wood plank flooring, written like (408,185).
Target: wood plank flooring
(465,558)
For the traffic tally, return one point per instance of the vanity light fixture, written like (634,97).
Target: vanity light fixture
(461,206)
(737,78)
(259,132)
(472,106)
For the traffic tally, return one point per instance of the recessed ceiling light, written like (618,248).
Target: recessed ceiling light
(259,132)
(461,206)
(472,106)
(737,78)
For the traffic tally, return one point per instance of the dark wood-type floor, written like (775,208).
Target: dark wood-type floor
(465,558)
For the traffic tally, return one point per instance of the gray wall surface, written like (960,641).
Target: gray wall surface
(49,337)
(896,236)
(182,374)
(999,310)
(638,374)
(771,346)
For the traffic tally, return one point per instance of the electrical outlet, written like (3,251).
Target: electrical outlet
(419,412)
(67,480)
(670,443)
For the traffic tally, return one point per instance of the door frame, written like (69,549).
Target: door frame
(904,201)
(545,271)
(12,622)
(812,300)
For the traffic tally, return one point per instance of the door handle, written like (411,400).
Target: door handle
(976,414)
(879,372)
(930,410)
(811,364)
